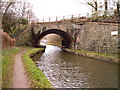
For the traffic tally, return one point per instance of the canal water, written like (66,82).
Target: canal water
(66,70)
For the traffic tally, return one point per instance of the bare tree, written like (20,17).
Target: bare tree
(7,7)
(118,7)
(94,5)
(106,7)
(7,17)
(14,13)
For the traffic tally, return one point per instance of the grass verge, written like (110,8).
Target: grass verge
(100,56)
(54,44)
(7,66)
(95,53)
(37,78)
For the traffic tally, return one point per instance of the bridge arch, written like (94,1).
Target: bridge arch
(67,39)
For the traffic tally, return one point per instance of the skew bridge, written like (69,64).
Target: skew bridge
(37,31)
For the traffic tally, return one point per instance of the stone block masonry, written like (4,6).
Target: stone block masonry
(98,37)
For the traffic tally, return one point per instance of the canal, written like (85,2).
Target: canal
(66,70)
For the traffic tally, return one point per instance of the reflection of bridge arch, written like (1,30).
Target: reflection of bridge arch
(67,42)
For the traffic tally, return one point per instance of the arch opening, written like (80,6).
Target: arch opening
(52,39)
(67,39)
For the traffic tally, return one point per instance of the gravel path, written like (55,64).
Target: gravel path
(20,79)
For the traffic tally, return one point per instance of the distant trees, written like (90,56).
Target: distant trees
(15,13)
(103,6)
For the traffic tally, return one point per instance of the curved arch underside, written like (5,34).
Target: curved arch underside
(67,38)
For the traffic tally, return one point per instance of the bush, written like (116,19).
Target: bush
(24,21)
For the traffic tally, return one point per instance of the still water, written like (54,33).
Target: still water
(65,70)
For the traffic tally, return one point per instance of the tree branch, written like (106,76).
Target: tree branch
(7,8)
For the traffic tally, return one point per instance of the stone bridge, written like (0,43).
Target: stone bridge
(90,36)
(37,31)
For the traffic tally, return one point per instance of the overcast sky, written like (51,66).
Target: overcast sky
(53,8)
(44,9)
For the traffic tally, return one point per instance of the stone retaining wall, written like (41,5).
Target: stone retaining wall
(97,37)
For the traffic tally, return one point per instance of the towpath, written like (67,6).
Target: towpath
(20,79)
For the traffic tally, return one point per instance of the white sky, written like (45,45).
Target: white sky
(52,8)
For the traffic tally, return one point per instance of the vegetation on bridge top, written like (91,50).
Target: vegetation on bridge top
(107,19)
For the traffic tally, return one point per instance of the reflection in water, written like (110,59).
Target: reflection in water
(65,70)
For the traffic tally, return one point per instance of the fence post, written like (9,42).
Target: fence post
(63,17)
(56,18)
(87,15)
(43,20)
(72,18)
(49,19)
(78,16)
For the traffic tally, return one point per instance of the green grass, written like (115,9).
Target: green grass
(54,44)
(7,66)
(37,78)
(95,53)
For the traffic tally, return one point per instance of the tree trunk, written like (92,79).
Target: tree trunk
(96,7)
(118,11)
(106,8)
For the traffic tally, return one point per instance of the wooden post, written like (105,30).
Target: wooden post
(72,18)
(56,18)
(78,16)
(49,19)
(63,17)
(43,20)
(87,15)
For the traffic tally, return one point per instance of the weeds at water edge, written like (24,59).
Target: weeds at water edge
(37,78)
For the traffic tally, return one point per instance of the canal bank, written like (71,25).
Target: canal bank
(36,76)
(90,54)
(98,56)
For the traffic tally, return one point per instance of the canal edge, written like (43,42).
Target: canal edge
(93,56)
(36,76)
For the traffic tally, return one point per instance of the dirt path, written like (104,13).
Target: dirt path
(20,79)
